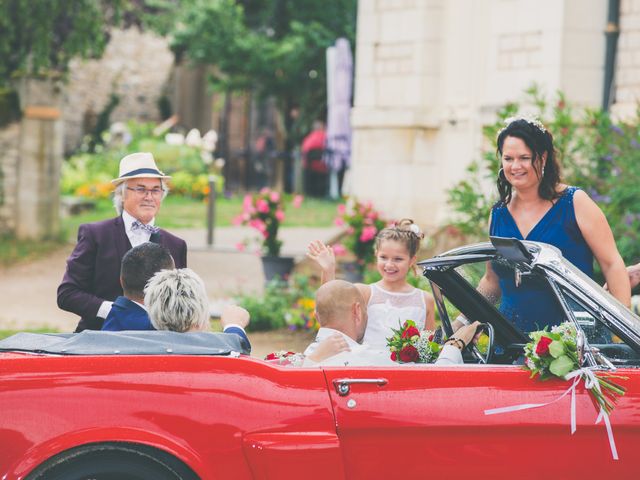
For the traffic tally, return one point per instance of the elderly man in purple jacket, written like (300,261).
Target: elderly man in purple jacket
(92,280)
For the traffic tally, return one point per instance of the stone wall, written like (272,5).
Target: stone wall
(627,74)
(9,148)
(135,66)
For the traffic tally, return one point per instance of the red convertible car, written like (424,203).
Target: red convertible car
(162,405)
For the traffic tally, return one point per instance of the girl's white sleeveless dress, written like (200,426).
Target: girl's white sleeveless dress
(387,310)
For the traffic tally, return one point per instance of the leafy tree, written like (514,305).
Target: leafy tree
(43,36)
(596,153)
(271,47)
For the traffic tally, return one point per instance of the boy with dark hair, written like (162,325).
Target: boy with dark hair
(138,265)
(129,312)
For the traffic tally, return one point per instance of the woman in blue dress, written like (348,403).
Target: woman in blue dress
(535,205)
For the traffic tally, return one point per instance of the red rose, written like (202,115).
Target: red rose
(410,332)
(542,348)
(431,337)
(394,356)
(409,354)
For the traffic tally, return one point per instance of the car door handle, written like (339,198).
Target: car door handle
(343,385)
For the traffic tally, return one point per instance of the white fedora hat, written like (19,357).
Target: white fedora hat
(138,165)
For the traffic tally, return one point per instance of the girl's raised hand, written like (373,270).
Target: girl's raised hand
(323,255)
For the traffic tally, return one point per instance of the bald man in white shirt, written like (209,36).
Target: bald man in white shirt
(342,314)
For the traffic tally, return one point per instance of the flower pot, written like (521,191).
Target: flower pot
(277,266)
(352,272)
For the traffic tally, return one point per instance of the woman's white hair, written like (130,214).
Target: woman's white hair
(177,300)
(120,192)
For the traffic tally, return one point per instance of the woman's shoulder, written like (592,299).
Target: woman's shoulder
(579,201)
(497,216)
(567,191)
(575,197)
(498,206)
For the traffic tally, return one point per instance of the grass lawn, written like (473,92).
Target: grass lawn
(180,212)
(8,333)
(12,250)
(176,212)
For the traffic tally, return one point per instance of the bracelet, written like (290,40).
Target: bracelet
(459,342)
(455,342)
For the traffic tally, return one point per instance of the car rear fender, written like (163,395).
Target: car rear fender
(40,453)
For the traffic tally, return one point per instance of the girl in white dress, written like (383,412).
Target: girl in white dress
(392,300)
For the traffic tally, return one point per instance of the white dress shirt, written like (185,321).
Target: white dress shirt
(136,237)
(362,355)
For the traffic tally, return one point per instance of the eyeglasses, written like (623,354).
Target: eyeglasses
(142,192)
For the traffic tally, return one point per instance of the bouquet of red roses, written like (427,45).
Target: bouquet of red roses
(554,354)
(408,344)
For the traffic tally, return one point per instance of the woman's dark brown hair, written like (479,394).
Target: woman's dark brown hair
(539,141)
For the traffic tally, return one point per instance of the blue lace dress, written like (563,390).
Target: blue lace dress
(531,305)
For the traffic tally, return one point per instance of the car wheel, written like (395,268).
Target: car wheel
(113,461)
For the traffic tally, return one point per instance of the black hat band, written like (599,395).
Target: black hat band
(140,171)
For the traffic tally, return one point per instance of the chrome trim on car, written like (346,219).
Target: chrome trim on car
(343,385)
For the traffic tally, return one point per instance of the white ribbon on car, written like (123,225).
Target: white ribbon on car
(590,381)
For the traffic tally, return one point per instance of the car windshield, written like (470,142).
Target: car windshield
(630,319)
(533,299)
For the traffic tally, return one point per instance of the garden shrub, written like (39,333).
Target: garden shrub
(284,304)
(89,174)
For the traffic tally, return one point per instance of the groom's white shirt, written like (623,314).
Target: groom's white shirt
(362,355)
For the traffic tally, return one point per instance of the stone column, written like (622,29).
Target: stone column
(40,159)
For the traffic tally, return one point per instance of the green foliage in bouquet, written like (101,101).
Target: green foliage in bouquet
(554,354)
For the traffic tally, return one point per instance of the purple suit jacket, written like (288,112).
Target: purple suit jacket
(93,268)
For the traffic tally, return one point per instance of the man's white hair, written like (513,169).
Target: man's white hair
(177,300)
(121,191)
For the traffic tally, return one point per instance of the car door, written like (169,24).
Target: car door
(430,420)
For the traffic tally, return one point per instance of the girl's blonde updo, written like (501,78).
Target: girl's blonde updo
(405,232)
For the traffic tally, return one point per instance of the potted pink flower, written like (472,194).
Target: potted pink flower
(264,211)
(362,222)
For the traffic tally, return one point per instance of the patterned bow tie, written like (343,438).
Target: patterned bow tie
(138,225)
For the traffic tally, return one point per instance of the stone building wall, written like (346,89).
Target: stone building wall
(627,74)
(9,146)
(424,91)
(135,65)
